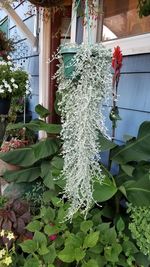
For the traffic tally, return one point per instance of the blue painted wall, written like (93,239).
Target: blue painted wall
(25,54)
(134,95)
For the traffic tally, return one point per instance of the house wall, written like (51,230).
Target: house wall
(134,95)
(25,55)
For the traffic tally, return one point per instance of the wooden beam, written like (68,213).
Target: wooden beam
(115,7)
(21,25)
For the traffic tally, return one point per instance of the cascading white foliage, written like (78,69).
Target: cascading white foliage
(81,106)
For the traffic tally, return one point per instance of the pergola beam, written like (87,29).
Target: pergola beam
(20,24)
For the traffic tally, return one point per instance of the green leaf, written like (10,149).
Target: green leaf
(51,255)
(40,238)
(120,224)
(105,143)
(29,246)
(25,175)
(135,150)
(34,226)
(57,162)
(41,111)
(112,253)
(91,240)
(50,265)
(86,226)
(26,157)
(90,263)
(67,254)
(37,125)
(48,181)
(50,229)
(73,241)
(128,169)
(79,254)
(43,250)
(104,191)
(138,192)
(32,262)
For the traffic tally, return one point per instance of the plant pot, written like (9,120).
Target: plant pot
(4,106)
(47,3)
(68,54)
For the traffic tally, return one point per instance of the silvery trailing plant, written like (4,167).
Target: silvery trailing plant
(81,105)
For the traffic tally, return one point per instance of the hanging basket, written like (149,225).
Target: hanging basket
(47,3)
(4,106)
(68,54)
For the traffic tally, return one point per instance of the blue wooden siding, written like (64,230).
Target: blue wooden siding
(134,96)
(25,54)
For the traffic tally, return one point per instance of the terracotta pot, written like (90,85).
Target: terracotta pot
(47,3)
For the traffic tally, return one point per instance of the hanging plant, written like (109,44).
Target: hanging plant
(47,3)
(81,106)
(144,8)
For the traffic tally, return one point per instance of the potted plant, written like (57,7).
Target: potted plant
(14,82)
(6,45)
(47,3)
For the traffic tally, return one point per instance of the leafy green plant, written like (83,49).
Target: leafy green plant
(13,81)
(143,8)
(139,227)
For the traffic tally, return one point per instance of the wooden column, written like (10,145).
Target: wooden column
(55,37)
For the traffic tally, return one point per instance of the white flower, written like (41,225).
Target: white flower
(15,86)
(12,80)
(2,233)
(10,236)
(7,260)
(9,63)
(2,253)
(1,91)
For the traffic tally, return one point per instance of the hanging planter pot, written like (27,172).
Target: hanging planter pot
(4,105)
(68,55)
(47,3)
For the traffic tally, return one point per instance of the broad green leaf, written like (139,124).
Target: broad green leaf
(50,229)
(138,192)
(86,226)
(40,110)
(43,250)
(73,241)
(26,157)
(112,253)
(32,262)
(48,181)
(128,169)
(90,263)
(51,255)
(105,190)
(25,175)
(34,226)
(40,238)
(105,143)
(29,246)
(79,254)
(91,240)
(57,162)
(67,254)
(135,150)
(36,125)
